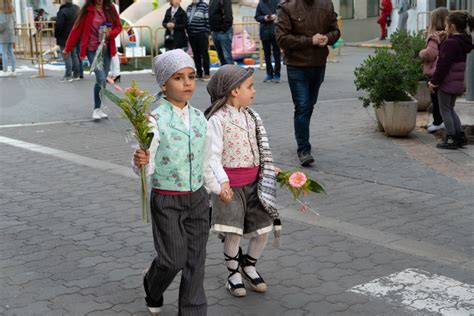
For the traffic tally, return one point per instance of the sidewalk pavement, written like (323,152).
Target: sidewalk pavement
(73,244)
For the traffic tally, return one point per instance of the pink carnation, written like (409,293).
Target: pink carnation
(297,179)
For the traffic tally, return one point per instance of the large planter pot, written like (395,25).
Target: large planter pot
(423,96)
(397,119)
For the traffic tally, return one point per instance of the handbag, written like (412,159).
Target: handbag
(388,20)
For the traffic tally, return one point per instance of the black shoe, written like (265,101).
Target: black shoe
(257,284)
(117,79)
(461,139)
(153,307)
(448,143)
(306,159)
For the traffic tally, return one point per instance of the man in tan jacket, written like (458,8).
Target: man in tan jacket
(304,28)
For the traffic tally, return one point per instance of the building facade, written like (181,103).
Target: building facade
(360,16)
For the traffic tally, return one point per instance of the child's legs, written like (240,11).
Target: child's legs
(450,118)
(192,298)
(256,245)
(169,242)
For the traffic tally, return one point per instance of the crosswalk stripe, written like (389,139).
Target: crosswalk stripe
(421,291)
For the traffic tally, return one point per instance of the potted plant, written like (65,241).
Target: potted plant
(389,80)
(410,44)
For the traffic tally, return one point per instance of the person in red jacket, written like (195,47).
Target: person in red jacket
(87,28)
(384,19)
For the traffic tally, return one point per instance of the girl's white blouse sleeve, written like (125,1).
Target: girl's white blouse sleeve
(215,138)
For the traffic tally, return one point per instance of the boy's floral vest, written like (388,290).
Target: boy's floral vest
(240,141)
(180,155)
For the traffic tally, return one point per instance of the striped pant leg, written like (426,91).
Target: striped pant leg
(169,239)
(192,298)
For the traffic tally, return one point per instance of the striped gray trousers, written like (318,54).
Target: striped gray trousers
(180,232)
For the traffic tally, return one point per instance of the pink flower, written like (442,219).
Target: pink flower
(297,179)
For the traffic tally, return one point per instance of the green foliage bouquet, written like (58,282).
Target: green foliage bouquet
(134,106)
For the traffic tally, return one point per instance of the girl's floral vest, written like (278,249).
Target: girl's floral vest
(240,141)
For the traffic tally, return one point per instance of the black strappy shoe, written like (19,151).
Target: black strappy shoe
(237,290)
(257,284)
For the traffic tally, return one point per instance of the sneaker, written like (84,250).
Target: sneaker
(96,114)
(433,128)
(206,78)
(3,74)
(102,114)
(382,38)
(306,159)
(66,79)
(12,74)
(153,307)
(448,143)
(268,78)
(76,78)
(276,79)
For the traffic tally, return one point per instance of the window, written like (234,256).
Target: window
(347,9)
(452,4)
(373,8)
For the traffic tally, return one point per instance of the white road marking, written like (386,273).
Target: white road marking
(421,291)
(43,123)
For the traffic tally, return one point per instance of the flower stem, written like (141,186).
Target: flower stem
(144,195)
(307,207)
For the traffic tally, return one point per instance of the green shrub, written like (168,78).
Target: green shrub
(410,44)
(386,76)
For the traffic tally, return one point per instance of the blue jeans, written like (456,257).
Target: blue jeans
(223,44)
(100,75)
(72,63)
(304,85)
(7,53)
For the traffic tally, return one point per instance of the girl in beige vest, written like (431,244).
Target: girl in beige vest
(243,207)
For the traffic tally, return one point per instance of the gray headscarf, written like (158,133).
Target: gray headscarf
(226,79)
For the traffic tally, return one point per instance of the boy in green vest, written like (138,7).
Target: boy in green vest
(179,201)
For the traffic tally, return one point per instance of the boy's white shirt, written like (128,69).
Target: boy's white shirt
(209,178)
(214,137)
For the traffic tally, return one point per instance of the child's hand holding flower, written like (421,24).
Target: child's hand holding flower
(141,157)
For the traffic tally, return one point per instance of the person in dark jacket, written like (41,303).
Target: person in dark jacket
(64,22)
(175,22)
(220,22)
(266,16)
(304,29)
(449,76)
(198,33)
